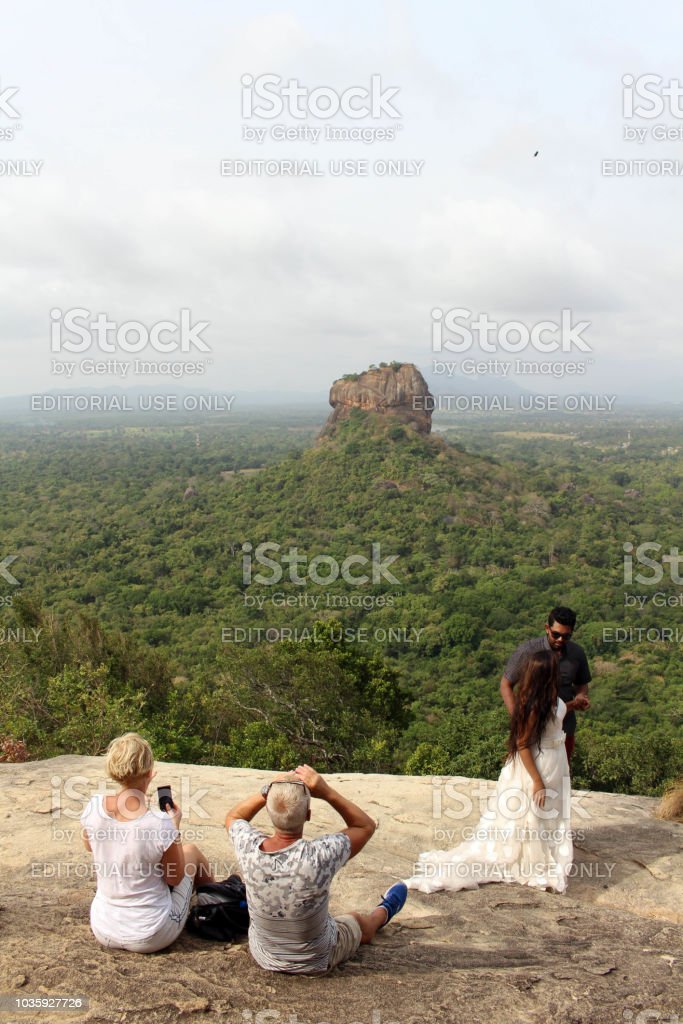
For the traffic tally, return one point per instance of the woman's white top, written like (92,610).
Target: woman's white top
(132,899)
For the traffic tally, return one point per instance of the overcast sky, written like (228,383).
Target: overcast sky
(132,107)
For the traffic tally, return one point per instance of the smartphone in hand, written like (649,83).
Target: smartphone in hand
(165,798)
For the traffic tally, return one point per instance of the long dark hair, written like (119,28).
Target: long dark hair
(535,700)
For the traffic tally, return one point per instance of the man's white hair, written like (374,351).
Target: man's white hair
(287,805)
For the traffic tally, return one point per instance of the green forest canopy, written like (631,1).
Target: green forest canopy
(135,584)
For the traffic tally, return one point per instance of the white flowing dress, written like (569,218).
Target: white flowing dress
(515,840)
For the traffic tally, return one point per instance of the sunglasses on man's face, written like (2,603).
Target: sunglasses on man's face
(559,636)
(287,782)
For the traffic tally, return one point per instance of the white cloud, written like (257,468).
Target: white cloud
(131,217)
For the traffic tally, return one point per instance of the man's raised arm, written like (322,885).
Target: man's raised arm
(360,826)
(245,809)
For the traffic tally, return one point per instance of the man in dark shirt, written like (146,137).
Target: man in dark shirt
(574,671)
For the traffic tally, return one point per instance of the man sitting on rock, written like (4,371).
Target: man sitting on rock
(288,877)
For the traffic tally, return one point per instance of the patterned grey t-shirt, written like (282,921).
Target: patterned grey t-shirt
(573,665)
(288,894)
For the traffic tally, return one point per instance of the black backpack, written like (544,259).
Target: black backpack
(221,911)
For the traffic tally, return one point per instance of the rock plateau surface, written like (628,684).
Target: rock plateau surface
(608,952)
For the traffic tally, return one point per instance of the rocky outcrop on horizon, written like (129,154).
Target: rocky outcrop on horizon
(396,390)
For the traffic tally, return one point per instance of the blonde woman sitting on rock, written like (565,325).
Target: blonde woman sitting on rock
(145,874)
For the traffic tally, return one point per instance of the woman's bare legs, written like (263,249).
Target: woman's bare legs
(196,865)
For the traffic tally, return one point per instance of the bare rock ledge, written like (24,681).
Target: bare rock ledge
(608,951)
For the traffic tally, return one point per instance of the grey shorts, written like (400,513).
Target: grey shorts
(169,930)
(348,940)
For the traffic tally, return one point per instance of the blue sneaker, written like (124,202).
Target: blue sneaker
(393,901)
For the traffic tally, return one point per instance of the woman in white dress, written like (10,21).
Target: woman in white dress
(525,836)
